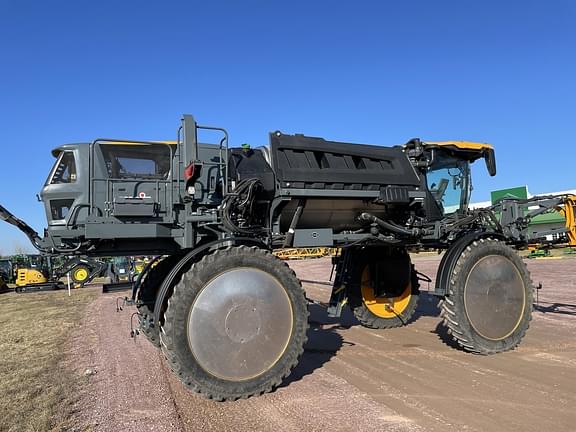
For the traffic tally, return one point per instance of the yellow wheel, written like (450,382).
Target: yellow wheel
(387,293)
(80,274)
(384,307)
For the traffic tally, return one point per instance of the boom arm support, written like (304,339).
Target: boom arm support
(22,226)
(569,212)
(516,215)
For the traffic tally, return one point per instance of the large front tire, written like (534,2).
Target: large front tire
(236,324)
(489,303)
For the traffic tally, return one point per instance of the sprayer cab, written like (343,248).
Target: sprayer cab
(444,168)
(449,176)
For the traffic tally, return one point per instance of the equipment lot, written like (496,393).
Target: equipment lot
(353,378)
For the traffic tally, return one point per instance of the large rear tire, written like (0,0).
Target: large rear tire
(489,303)
(236,324)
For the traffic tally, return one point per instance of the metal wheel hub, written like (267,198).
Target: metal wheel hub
(243,323)
(494,297)
(240,324)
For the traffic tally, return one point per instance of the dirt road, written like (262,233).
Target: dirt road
(352,378)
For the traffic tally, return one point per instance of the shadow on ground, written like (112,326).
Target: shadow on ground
(428,306)
(323,343)
(442,332)
(556,308)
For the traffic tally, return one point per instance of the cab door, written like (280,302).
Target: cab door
(136,180)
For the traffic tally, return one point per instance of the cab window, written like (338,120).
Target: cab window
(65,169)
(137,161)
(448,182)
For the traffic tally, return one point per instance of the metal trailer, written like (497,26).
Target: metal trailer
(230,317)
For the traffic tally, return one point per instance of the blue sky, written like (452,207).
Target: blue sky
(365,71)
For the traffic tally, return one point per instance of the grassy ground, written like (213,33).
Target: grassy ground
(36,391)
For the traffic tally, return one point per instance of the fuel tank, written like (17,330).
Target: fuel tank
(340,214)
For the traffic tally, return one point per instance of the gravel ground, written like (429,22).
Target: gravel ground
(127,388)
(352,378)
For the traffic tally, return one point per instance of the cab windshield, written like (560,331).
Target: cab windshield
(64,170)
(449,182)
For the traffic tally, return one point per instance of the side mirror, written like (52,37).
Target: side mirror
(490,159)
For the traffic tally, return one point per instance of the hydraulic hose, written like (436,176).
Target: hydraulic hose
(295,219)
(388,226)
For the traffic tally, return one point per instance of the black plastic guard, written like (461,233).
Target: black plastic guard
(451,257)
(314,163)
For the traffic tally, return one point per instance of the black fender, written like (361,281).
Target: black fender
(449,259)
(188,259)
(143,273)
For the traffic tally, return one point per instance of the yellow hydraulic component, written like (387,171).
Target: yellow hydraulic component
(462,145)
(569,213)
(302,253)
(29,276)
(139,266)
(384,307)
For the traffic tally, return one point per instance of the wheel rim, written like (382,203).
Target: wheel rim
(494,297)
(240,324)
(81,274)
(384,307)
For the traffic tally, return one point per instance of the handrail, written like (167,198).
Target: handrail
(223,165)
